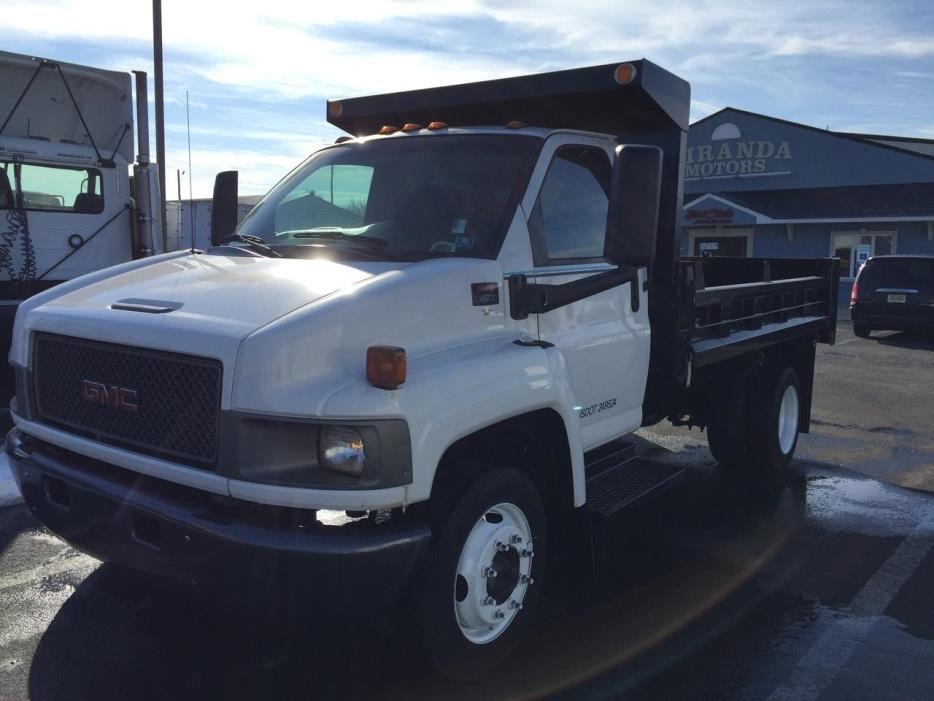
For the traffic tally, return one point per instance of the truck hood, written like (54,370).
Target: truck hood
(290,333)
(214,301)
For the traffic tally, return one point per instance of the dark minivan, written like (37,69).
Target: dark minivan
(893,292)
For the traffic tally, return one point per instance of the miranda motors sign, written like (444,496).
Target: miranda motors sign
(737,158)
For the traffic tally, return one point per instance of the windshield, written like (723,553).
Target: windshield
(408,197)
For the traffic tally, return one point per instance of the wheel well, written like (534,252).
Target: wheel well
(535,443)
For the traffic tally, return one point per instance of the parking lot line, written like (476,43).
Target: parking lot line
(818,666)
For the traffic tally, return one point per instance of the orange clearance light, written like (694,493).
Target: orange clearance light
(335,109)
(625,73)
(516,124)
(438,125)
(410,126)
(385,366)
(387,129)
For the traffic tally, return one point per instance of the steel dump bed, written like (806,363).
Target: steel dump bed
(730,306)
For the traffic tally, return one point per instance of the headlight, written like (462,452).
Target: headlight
(341,450)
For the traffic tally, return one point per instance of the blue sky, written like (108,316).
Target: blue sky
(259,72)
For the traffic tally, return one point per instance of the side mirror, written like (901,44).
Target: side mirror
(224,207)
(632,219)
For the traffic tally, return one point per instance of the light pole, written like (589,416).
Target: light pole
(160,108)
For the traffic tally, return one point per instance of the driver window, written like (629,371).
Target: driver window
(334,195)
(568,221)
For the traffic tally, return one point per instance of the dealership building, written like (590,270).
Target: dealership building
(759,186)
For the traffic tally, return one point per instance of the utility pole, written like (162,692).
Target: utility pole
(160,108)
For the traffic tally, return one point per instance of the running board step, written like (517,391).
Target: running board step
(608,456)
(616,487)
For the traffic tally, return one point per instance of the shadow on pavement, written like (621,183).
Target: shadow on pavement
(16,520)
(916,340)
(682,570)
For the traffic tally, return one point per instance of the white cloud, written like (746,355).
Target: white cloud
(270,63)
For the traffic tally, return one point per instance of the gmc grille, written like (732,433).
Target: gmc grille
(163,404)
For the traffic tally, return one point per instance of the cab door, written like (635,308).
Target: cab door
(604,341)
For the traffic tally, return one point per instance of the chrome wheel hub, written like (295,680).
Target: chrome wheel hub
(493,574)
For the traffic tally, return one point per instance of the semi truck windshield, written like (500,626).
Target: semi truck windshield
(412,196)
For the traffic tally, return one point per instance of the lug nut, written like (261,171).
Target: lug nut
(513,604)
(489,572)
(501,546)
(525,579)
(527,552)
(515,539)
(498,614)
(487,601)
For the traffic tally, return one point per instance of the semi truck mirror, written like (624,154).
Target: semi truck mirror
(632,218)
(224,206)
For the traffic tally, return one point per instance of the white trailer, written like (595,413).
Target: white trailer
(68,203)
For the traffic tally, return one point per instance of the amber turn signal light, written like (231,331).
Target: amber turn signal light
(411,126)
(387,129)
(438,125)
(385,366)
(625,73)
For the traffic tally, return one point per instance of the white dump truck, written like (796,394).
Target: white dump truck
(416,362)
(68,203)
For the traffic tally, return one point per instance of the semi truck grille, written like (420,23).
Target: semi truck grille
(162,404)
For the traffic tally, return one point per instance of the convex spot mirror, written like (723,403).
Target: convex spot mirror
(632,218)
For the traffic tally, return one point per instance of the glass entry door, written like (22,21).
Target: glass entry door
(710,243)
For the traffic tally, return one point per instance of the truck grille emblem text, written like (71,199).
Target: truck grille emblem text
(113,396)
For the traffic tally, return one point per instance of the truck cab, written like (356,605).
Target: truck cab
(414,364)
(68,203)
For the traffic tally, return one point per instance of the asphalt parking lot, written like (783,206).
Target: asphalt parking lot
(814,587)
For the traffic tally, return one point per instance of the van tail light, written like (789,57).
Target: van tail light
(854,293)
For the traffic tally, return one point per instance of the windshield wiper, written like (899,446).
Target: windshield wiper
(334,233)
(254,243)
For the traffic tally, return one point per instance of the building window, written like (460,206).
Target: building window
(568,221)
(851,246)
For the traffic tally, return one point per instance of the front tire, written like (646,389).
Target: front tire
(484,573)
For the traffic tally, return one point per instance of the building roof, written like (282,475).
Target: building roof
(876,140)
(850,202)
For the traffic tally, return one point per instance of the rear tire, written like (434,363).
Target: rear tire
(727,443)
(861,331)
(774,415)
(468,620)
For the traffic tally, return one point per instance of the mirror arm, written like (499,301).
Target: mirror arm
(534,298)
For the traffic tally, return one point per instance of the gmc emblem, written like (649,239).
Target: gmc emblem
(113,396)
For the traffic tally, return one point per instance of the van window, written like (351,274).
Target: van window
(910,273)
(52,188)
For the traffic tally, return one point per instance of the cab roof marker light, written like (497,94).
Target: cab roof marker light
(387,129)
(516,124)
(411,126)
(625,73)
(437,125)
(335,109)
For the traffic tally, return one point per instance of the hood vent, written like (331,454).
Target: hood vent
(147,306)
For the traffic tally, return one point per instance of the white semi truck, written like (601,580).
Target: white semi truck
(414,365)
(68,205)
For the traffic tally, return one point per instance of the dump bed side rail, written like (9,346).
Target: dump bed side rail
(736,305)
